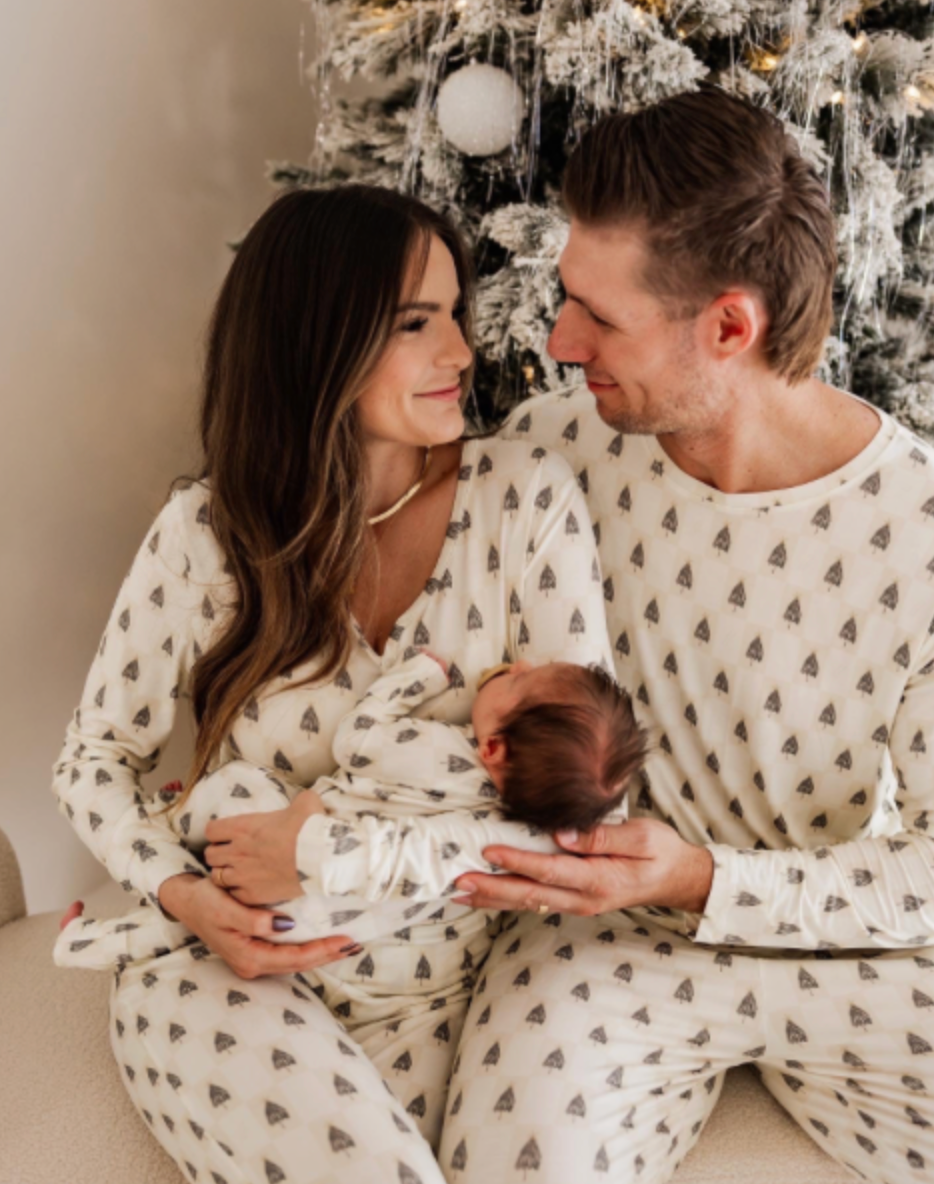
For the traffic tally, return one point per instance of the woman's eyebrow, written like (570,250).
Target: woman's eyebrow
(427,305)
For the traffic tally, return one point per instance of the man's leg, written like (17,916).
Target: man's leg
(851,1057)
(594,1044)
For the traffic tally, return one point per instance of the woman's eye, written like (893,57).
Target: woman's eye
(414,326)
(460,312)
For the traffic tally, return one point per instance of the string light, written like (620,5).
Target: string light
(762,60)
(860,42)
(837,98)
(529,372)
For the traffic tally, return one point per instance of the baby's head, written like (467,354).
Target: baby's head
(559,742)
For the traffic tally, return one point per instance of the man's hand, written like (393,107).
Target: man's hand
(642,862)
(257,851)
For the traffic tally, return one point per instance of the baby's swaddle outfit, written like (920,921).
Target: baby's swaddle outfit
(393,768)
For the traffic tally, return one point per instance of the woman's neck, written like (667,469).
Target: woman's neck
(393,469)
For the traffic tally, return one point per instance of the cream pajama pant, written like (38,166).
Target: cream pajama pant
(259,1081)
(596,1048)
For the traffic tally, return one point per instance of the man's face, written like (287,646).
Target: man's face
(650,374)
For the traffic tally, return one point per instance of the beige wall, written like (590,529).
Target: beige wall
(133,136)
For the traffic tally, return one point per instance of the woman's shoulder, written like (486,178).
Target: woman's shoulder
(183,537)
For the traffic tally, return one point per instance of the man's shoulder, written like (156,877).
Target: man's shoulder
(548,414)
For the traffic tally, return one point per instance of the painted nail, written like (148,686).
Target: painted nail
(280,924)
(353,948)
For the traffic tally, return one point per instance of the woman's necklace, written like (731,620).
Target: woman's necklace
(407,496)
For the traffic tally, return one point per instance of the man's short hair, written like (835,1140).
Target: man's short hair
(725,198)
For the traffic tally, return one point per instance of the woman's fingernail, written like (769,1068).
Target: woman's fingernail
(461,900)
(281,924)
(352,949)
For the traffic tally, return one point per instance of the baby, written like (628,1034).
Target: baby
(549,748)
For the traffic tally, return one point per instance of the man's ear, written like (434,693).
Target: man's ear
(493,751)
(733,324)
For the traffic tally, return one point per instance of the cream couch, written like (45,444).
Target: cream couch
(64,1115)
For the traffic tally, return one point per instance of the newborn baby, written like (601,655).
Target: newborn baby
(549,747)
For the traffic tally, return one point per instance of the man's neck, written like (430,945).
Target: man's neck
(775,437)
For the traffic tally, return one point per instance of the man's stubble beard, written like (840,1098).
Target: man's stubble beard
(690,408)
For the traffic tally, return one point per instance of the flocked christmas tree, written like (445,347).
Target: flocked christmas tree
(484,100)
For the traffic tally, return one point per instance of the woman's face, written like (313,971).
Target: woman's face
(413,395)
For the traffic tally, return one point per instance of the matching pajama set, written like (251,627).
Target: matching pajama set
(325,1075)
(780,647)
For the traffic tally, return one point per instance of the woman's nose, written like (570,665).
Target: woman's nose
(456,350)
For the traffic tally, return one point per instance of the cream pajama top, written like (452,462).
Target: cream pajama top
(780,649)
(518,576)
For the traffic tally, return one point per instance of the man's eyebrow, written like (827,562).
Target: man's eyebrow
(580,300)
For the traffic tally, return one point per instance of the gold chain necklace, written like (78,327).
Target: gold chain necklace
(407,496)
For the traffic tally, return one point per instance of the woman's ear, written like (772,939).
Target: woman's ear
(493,751)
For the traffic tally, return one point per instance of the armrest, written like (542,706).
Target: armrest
(12,898)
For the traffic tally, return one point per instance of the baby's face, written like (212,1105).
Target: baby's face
(502,688)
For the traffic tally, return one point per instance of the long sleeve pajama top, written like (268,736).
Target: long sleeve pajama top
(518,576)
(779,647)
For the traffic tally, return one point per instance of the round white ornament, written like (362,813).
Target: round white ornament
(480,109)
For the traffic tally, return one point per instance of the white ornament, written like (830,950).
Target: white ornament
(480,109)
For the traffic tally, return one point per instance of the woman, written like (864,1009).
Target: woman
(340,518)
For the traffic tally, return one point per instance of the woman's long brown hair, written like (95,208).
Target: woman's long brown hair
(303,317)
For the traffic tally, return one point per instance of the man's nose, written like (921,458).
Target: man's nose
(566,343)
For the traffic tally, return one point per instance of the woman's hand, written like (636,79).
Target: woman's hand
(238,934)
(641,862)
(257,851)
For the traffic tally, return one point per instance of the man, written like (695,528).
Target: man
(767,544)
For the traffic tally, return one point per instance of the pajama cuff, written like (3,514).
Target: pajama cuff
(155,862)
(715,924)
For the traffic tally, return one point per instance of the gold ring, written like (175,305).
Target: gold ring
(542,909)
(219,877)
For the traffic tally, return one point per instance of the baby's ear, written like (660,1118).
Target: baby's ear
(493,751)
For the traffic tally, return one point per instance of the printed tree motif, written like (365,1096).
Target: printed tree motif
(685,578)
(778,557)
(530,1157)
(721,542)
(624,502)
(702,632)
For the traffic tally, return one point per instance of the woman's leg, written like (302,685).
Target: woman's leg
(256,1082)
(404,1001)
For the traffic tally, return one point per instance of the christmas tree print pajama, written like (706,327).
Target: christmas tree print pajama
(780,648)
(301,1078)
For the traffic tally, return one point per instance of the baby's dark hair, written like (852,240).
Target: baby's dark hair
(569,760)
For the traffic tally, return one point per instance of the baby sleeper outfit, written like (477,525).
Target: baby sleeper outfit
(393,767)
